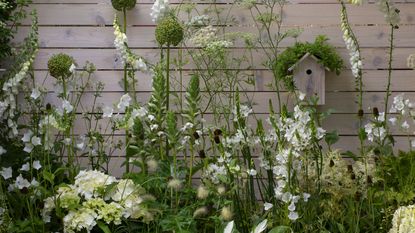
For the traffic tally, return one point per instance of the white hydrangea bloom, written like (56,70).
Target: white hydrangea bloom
(87,182)
(83,219)
(403,220)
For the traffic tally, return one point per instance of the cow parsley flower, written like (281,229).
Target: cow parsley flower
(390,12)
(159,9)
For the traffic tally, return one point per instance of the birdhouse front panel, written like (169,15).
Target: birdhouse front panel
(309,78)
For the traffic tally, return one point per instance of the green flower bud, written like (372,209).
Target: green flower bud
(59,65)
(169,32)
(120,5)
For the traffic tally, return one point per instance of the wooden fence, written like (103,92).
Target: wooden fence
(83,29)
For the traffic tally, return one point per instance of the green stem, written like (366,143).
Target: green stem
(388,92)
(127,139)
(168,91)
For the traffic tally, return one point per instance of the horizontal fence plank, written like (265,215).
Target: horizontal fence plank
(143,37)
(374,80)
(294,14)
(374,58)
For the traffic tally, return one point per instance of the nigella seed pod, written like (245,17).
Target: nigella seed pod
(217,139)
(357,196)
(331,163)
(217,132)
(202,154)
(196,135)
(360,113)
(375,112)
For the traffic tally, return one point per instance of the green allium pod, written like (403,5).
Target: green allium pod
(169,32)
(120,5)
(59,65)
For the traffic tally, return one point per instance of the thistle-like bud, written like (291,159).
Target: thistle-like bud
(169,32)
(59,65)
(360,113)
(375,112)
(120,5)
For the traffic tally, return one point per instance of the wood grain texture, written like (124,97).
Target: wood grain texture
(83,29)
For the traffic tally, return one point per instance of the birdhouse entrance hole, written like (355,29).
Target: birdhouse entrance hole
(309,71)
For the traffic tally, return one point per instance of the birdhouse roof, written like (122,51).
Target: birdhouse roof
(302,59)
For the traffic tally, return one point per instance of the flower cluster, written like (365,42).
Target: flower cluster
(120,43)
(159,9)
(403,220)
(405,114)
(352,45)
(298,133)
(204,36)
(10,90)
(21,182)
(375,130)
(96,197)
(390,12)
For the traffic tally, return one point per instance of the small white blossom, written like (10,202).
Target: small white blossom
(22,182)
(293,216)
(25,167)
(72,68)
(6,172)
(124,102)
(2,150)
(252,172)
(35,94)
(36,165)
(107,112)
(36,141)
(267,206)
(66,106)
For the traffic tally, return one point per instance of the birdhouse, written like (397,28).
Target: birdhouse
(309,77)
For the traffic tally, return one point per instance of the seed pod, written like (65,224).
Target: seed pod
(196,135)
(120,5)
(375,112)
(169,32)
(202,154)
(331,163)
(217,139)
(59,65)
(360,113)
(217,132)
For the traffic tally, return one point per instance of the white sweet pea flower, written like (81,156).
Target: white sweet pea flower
(22,182)
(66,106)
(2,150)
(35,94)
(107,112)
(72,69)
(6,172)
(25,167)
(36,165)
(124,102)
(268,206)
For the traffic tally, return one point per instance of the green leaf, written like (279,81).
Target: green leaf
(48,176)
(332,137)
(104,227)
(281,229)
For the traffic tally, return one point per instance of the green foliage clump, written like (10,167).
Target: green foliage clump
(320,48)
(120,5)
(169,32)
(59,65)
